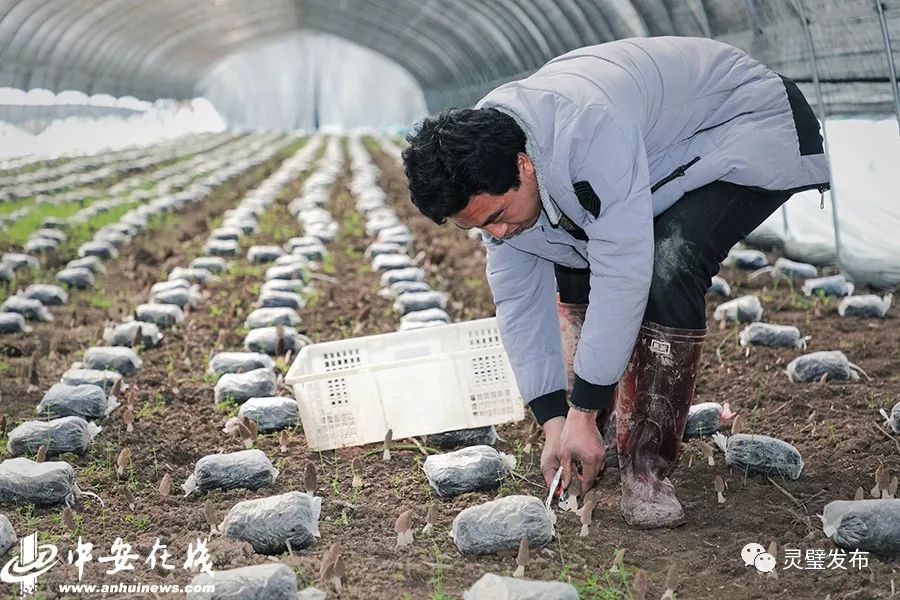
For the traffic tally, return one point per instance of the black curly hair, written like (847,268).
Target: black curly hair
(459,153)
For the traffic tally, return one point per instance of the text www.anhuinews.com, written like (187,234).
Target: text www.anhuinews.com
(132,588)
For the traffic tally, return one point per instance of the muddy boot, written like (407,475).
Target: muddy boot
(571,320)
(652,402)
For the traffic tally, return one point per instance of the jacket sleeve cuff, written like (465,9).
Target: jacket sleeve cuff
(590,396)
(549,405)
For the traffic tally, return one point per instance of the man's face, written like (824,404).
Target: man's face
(508,214)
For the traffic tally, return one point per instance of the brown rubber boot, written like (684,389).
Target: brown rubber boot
(571,320)
(652,402)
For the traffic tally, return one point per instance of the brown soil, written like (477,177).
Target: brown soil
(832,424)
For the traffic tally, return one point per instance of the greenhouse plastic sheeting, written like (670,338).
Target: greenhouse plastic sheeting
(865,161)
(320,85)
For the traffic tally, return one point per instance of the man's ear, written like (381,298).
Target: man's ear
(526,167)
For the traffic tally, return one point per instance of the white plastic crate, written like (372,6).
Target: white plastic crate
(416,382)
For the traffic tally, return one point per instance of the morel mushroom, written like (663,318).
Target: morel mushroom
(737,426)
(669,594)
(310,480)
(430,519)
(209,513)
(720,488)
(586,512)
(773,550)
(123,461)
(68,518)
(403,528)
(617,561)
(882,483)
(388,441)
(332,568)
(128,418)
(522,558)
(356,467)
(639,585)
(709,453)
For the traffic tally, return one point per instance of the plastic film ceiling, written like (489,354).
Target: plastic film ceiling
(456,49)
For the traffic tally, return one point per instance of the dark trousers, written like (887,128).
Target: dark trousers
(691,238)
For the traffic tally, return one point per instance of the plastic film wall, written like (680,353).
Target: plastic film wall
(455,50)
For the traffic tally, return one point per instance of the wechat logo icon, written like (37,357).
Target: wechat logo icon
(754,554)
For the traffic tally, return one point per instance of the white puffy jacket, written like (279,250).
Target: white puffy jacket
(618,132)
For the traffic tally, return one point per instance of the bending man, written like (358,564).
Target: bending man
(608,186)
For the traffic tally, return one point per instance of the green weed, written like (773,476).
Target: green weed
(371,144)
(157,407)
(328,264)
(304,579)
(437,582)
(606,586)
(10,205)
(27,519)
(139,521)
(239,269)
(98,300)
(228,406)
(832,431)
(19,231)
(353,225)
(311,295)
(275,225)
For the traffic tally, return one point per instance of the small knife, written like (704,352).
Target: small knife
(553,487)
